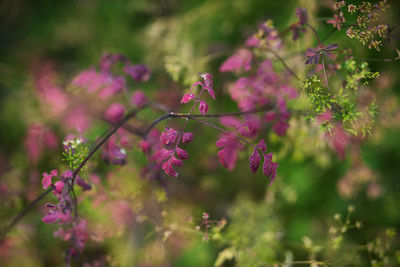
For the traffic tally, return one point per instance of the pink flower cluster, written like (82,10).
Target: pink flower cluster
(72,229)
(171,139)
(206,85)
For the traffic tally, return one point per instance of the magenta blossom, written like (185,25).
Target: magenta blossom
(255,156)
(138,72)
(240,61)
(229,145)
(187,97)
(115,112)
(46,181)
(139,99)
(203,107)
(337,21)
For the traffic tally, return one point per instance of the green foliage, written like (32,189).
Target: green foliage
(358,74)
(345,105)
(318,96)
(367,29)
(75,152)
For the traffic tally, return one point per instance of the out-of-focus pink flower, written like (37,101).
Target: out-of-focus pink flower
(59,186)
(374,190)
(240,61)
(50,94)
(115,112)
(122,213)
(115,85)
(138,72)
(107,60)
(85,186)
(339,140)
(77,119)
(37,139)
(337,21)
(114,154)
(280,128)
(144,146)
(229,145)
(138,99)
(252,41)
(325,116)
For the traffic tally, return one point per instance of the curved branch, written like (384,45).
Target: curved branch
(105,137)
(215,115)
(20,215)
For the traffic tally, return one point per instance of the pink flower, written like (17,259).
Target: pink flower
(144,146)
(187,137)
(47,178)
(77,119)
(167,167)
(138,99)
(252,41)
(280,127)
(91,79)
(208,83)
(107,60)
(325,116)
(338,140)
(255,157)
(269,167)
(37,139)
(58,215)
(240,61)
(182,154)
(169,136)
(187,97)
(270,116)
(59,186)
(85,186)
(115,85)
(113,154)
(138,72)
(337,21)
(229,150)
(115,112)
(203,107)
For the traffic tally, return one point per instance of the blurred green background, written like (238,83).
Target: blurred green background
(177,40)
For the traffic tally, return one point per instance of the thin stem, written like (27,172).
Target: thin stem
(105,137)
(326,77)
(215,115)
(222,130)
(21,214)
(315,33)
(378,59)
(103,140)
(93,151)
(284,64)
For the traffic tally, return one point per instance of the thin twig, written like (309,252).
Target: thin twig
(215,115)
(21,214)
(284,64)
(315,33)
(105,137)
